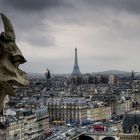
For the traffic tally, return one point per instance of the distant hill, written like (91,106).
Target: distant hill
(36,75)
(108,72)
(42,75)
(117,72)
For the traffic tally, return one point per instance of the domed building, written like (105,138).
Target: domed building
(130,120)
(131,126)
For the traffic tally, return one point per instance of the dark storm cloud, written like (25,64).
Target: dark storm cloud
(30,29)
(29,15)
(34,5)
(131,6)
(28,19)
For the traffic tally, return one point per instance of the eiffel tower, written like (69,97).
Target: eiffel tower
(76,70)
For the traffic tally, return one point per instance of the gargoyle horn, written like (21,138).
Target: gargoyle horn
(8,26)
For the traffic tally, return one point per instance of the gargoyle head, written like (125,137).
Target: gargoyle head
(10,59)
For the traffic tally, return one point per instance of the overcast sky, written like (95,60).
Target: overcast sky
(106,33)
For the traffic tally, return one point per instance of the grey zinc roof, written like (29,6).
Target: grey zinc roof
(41,112)
(10,118)
(131,119)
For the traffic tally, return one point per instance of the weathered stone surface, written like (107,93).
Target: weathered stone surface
(10,59)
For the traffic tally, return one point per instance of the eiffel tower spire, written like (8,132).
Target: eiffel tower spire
(76,70)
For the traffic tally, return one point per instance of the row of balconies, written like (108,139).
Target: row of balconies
(42,118)
(25,128)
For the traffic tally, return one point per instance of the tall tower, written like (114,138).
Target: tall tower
(132,76)
(76,70)
(47,74)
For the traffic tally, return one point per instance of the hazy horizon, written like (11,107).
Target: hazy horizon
(106,33)
(86,72)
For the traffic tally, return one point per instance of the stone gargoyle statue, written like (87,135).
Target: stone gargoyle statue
(10,59)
